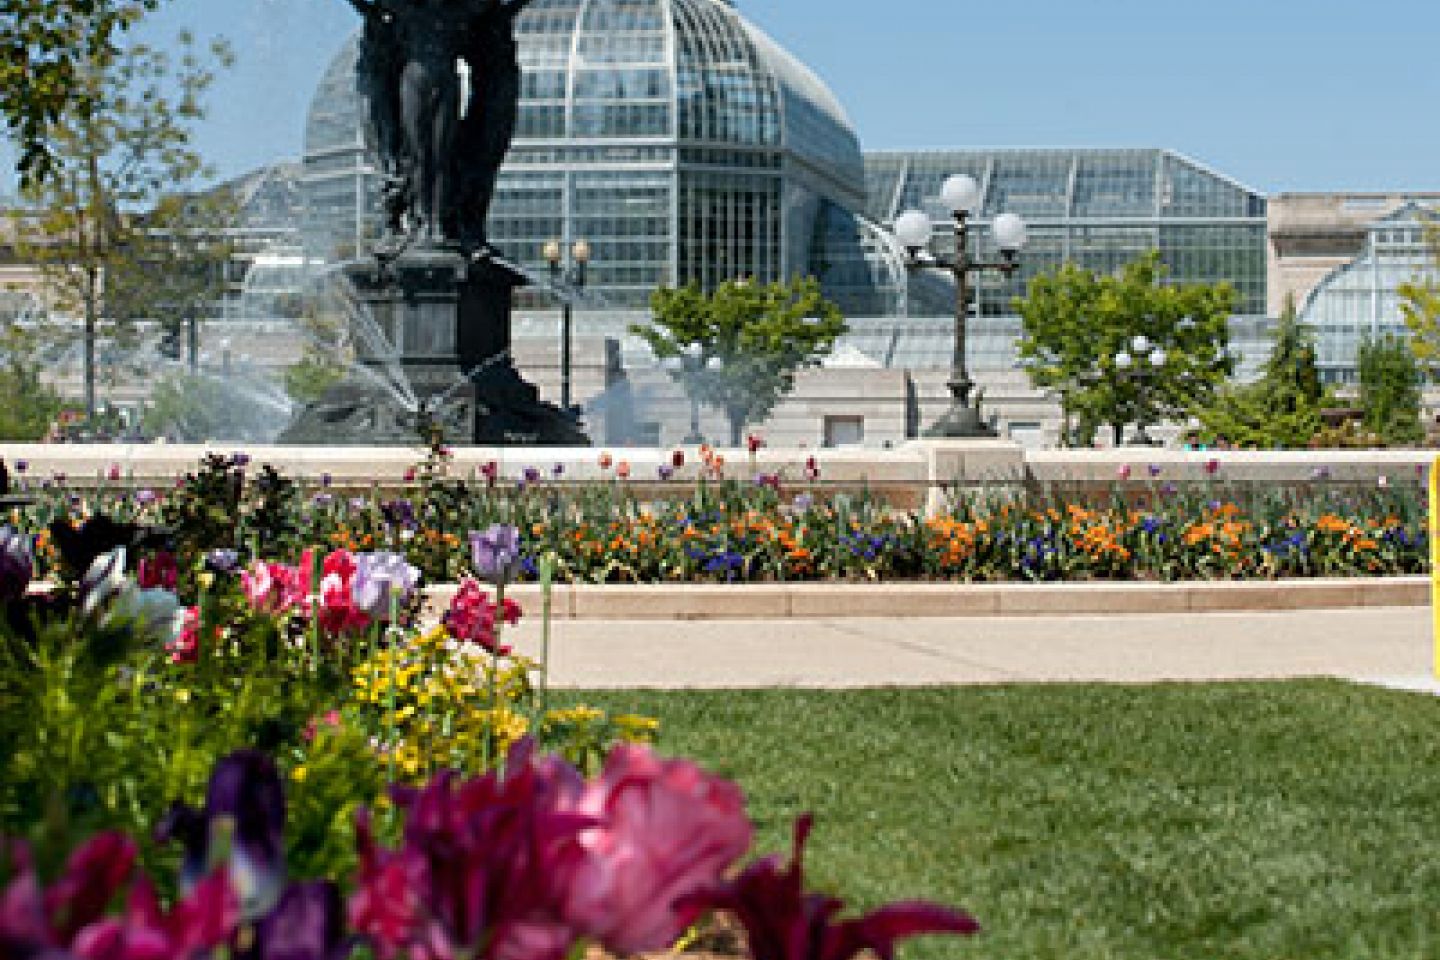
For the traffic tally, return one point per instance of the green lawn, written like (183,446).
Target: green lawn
(1296,820)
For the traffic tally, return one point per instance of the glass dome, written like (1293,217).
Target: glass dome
(673,135)
(1361,300)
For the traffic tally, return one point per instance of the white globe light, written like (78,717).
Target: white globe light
(1010,233)
(1140,343)
(913,229)
(960,193)
(693,350)
(1158,357)
(1123,360)
(714,363)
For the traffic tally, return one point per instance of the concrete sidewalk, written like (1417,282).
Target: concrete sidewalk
(1370,643)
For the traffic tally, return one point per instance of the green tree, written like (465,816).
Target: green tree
(1282,408)
(119,156)
(171,269)
(751,337)
(45,47)
(1079,328)
(1420,305)
(1390,381)
(36,405)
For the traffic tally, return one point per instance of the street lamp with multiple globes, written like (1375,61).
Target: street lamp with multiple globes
(961,194)
(572,274)
(1128,367)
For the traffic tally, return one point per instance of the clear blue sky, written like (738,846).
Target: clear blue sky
(1280,94)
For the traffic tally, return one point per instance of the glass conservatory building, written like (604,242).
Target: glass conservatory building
(673,135)
(1361,300)
(1097,208)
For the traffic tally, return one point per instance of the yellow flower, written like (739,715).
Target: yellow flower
(299,774)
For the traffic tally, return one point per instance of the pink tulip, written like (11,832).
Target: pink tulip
(1123,472)
(668,830)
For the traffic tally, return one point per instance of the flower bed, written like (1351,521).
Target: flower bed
(771,529)
(399,774)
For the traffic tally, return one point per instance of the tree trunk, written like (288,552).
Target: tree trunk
(737,426)
(1119,431)
(90,325)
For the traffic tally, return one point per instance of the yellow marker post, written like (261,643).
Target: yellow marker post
(1435,560)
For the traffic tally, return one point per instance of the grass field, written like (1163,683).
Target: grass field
(1297,820)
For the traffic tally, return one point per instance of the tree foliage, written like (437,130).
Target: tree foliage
(38,405)
(1420,305)
(1282,408)
(114,205)
(46,47)
(1390,381)
(1075,323)
(757,335)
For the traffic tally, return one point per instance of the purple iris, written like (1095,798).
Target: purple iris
(495,553)
(1154,469)
(17,565)
(665,471)
(558,471)
(326,479)
(22,465)
(532,475)
(145,497)
(246,798)
(382,581)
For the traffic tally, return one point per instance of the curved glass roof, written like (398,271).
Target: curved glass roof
(688,72)
(1361,300)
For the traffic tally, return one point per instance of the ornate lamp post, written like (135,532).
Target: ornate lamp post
(573,275)
(914,229)
(1127,367)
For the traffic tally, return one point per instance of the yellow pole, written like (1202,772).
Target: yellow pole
(1435,561)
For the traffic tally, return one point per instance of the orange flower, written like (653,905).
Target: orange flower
(606,460)
(622,470)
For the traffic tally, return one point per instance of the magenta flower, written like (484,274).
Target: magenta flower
(338,611)
(274,588)
(783,922)
(1212,466)
(472,615)
(665,831)
(1123,471)
(474,876)
(69,919)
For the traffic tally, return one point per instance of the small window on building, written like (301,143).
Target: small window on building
(844,431)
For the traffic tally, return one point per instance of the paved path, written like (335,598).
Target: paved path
(1369,643)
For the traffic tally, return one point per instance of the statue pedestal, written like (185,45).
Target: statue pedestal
(438,321)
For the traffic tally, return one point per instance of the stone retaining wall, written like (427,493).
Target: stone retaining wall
(827,601)
(919,472)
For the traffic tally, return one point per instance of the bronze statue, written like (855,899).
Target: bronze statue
(438,166)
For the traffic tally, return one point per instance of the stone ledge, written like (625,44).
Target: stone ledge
(827,601)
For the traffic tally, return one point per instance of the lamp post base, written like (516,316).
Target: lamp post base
(961,420)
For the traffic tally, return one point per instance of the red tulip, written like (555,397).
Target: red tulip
(677,459)
(783,922)
(667,830)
